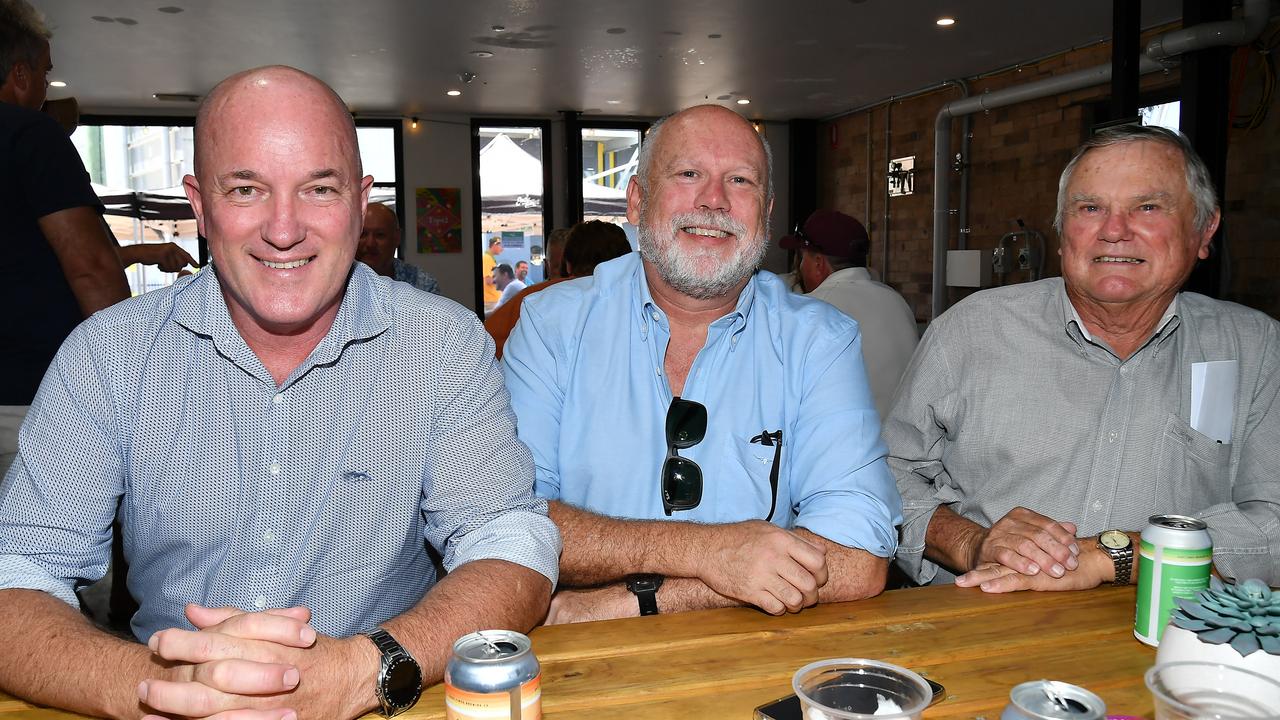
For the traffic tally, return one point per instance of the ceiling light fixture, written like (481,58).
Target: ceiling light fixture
(453,93)
(743,101)
(57,83)
(946,21)
(614,102)
(413,123)
(481,53)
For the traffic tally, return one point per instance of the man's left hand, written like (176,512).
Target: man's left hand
(1094,569)
(267,660)
(603,603)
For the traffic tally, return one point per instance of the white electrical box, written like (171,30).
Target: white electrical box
(969,268)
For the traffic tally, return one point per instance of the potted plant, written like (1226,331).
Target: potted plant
(1229,624)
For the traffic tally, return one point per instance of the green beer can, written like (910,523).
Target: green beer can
(1174,560)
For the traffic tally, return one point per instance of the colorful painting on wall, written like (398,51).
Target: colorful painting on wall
(439,220)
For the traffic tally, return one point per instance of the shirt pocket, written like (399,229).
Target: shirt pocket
(1193,468)
(754,462)
(372,512)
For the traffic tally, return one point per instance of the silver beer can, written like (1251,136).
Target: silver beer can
(1052,700)
(493,674)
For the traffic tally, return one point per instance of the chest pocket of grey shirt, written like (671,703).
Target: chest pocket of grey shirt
(1193,468)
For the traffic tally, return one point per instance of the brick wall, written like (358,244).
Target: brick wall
(1016,155)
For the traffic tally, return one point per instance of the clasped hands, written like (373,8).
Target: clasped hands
(753,562)
(237,665)
(1025,550)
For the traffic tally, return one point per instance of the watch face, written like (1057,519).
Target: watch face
(403,682)
(1114,539)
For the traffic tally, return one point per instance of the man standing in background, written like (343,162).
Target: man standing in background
(59,265)
(833,268)
(489,261)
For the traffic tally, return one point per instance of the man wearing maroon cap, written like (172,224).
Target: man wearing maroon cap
(833,268)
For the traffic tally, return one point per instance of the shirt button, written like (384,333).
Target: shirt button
(275,468)
(268,537)
(260,602)
(1112,437)
(279,398)
(654,316)
(1097,504)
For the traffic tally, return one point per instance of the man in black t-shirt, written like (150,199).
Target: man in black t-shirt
(57,264)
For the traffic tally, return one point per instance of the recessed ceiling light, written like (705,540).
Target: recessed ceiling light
(946,21)
(453,93)
(614,102)
(743,101)
(498,28)
(57,83)
(481,54)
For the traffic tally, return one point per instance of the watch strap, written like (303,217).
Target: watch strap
(645,588)
(393,653)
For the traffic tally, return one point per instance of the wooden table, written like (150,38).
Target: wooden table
(723,663)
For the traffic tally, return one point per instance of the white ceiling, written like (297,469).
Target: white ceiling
(791,58)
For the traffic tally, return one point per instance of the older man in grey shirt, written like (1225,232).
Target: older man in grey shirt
(1035,417)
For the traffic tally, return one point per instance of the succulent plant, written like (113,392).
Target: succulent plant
(1246,615)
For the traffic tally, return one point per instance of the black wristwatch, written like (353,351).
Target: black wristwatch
(400,679)
(1119,547)
(645,588)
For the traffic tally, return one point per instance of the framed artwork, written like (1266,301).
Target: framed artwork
(439,227)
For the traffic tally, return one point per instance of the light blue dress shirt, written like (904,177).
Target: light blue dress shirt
(395,434)
(584,366)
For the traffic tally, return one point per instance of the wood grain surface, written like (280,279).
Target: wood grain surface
(724,663)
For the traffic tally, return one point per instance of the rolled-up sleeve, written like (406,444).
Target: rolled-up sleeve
(59,497)
(916,433)
(1246,532)
(478,496)
(845,495)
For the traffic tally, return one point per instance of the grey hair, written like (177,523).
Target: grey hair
(645,160)
(1197,173)
(23,35)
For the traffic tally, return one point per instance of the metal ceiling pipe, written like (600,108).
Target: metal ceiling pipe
(1228,32)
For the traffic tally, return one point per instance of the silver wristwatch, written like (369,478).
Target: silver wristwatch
(1119,546)
(400,678)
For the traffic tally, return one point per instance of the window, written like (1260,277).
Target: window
(609,157)
(511,181)
(137,172)
(1165,115)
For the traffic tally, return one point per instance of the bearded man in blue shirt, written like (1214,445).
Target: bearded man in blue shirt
(237,423)
(706,437)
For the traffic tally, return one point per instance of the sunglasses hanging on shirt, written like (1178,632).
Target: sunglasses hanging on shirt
(681,479)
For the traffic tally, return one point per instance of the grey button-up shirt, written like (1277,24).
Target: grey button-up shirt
(1008,402)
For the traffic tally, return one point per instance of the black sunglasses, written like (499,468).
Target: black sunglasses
(681,477)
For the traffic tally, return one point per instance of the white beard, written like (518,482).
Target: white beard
(700,273)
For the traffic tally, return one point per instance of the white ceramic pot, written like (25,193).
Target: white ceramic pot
(1180,645)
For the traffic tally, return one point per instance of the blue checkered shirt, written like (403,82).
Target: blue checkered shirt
(394,435)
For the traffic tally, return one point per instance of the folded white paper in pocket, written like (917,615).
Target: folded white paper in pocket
(1213,397)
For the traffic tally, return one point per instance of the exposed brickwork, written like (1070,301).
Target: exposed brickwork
(1016,155)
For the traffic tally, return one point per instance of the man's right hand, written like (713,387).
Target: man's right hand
(761,564)
(1029,543)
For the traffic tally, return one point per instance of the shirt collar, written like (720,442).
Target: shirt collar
(201,308)
(650,314)
(1072,315)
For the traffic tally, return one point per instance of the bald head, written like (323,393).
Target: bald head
(379,239)
(259,91)
(699,118)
